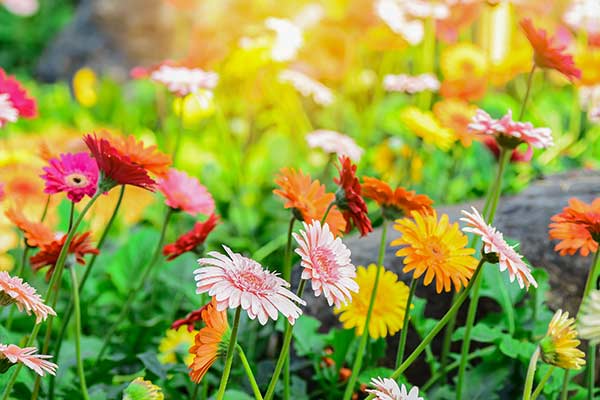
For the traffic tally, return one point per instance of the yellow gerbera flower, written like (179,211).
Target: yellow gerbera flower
(463,60)
(140,389)
(389,307)
(426,126)
(436,249)
(176,342)
(559,347)
(588,62)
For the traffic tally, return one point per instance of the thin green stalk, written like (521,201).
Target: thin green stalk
(365,335)
(80,370)
(447,343)
(591,279)
(531,374)
(230,353)
(143,280)
(179,131)
(540,385)
(45,211)
(591,371)
(287,275)
(194,395)
(437,328)
(248,369)
(527,92)
(329,207)
(404,333)
(11,314)
(565,387)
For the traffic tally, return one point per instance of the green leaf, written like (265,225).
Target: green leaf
(340,340)
(152,364)
(307,338)
(517,349)
(233,394)
(480,333)
(368,374)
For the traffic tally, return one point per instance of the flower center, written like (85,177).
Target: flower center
(77,180)
(324,260)
(252,280)
(436,251)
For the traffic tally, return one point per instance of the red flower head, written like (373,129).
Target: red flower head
(517,156)
(190,320)
(14,96)
(191,240)
(49,252)
(348,198)
(115,167)
(547,53)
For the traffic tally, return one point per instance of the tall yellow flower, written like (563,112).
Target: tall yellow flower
(559,346)
(427,127)
(436,249)
(176,342)
(388,309)
(463,60)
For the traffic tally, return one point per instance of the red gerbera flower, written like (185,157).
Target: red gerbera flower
(191,240)
(349,200)
(115,167)
(49,252)
(16,97)
(190,320)
(547,53)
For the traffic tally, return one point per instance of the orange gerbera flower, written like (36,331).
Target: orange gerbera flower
(148,157)
(210,342)
(467,89)
(395,203)
(36,234)
(49,252)
(308,199)
(577,227)
(547,53)
(456,115)
(436,249)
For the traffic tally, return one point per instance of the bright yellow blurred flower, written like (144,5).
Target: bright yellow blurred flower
(140,389)
(176,342)
(463,60)
(195,106)
(427,127)
(559,346)
(7,262)
(84,87)
(389,307)
(589,63)
(456,114)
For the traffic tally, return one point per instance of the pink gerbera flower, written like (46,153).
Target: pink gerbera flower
(182,81)
(235,280)
(185,193)
(388,389)
(14,290)
(326,262)
(37,362)
(494,244)
(333,142)
(7,112)
(16,95)
(75,174)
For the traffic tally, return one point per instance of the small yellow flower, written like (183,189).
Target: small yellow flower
(588,62)
(176,342)
(389,307)
(140,389)
(427,127)
(463,60)
(559,346)
(84,87)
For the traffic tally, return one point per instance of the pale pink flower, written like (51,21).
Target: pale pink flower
(494,243)
(234,280)
(334,143)
(482,123)
(75,174)
(393,13)
(288,38)
(388,389)
(182,81)
(326,262)
(583,15)
(307,86)
(410,84)
(27,356)
(7,112)
(25,297)
(22,8)
(183,192)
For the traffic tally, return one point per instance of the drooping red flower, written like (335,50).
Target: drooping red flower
(190,320)
(548,53)
(49,252)
(16,97)
(191,240)
(115,167)
(348,198)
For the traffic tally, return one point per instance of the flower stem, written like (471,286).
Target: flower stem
(592,278)
(230,353)
(540,385)
(591,370)
(530,374)
(437,328)
(179,131)
(527,92)
(287,275)
(404,333)
(80,370)
(329,207)
(194,395)
(139,287)
(565,387)
(248,369)
(365,334)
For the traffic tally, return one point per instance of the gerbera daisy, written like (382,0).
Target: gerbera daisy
(456,114)
(14,290)
(333,142)
(115,167)
(308,87)
(559,346)
(427,127)
(192,240)
(326,262)
(497,250)
(211,342)
(388,309)
(463,60)
(435,248)
(547,53)
(348,198)
(75,174)
(15,96)
(176,342)
(575,228)
(388,389)
(148,157)
(518,155)
(185,193)
(308,199)
(11,355)
(141,389)
(588,322)
(36,234)
(395,203)
(235,280)
(80,246)
(183,81)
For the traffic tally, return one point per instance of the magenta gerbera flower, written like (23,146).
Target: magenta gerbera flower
(326,263)
(495,245)
(234,281)
(37,362)
(75,174)
(16,97)
(183,192)
(14,290)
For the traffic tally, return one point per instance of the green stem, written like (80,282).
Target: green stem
(404,333)
(230,353)
(194,395)
(45,211)
(143,280)
(592,278)
(447,343)
(80,370)
(565,387)
(437,328)
(329,207)
(527,92)
(179,132)
(248,369)
(11,314)
(365,334)
(591,370)
(287,275)
(540,385)
(530,374)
